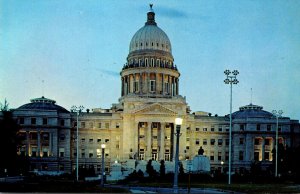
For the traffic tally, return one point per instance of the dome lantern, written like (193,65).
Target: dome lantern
(151,17)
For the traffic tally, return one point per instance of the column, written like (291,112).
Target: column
(156,84)
(174,141)
(134,79)
(263,149)
(27,143)
(129,85)
(50,144)
(177,86)
(149,147)
(141,83)
(148,83)
(39,143)
(162,141)
(162,84)
(136,139)
(169,85)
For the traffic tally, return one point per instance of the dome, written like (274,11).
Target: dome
(43,104)
(253,111)
(150,37)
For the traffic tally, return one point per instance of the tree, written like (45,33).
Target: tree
(162,169)
(150,170)
(10,163)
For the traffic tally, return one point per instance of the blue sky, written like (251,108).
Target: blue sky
(79,47)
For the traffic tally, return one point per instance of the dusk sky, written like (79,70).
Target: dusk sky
(79,48)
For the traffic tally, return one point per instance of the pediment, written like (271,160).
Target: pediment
(156,109)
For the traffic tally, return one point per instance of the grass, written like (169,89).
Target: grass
(243,187)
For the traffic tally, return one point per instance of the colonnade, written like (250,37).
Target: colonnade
(40,144)
(150,83)
(155,141)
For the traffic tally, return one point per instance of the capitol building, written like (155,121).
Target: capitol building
(141,126)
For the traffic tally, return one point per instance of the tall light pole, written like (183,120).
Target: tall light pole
(230,79)
(178,123)
(78,111)
(102,165)
(277,114)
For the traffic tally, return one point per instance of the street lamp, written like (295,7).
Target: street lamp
(277,114)
(78,111)
(102,165)
(178,123)
(230,79)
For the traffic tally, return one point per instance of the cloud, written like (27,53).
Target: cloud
(171,12)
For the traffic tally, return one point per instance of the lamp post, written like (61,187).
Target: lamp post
(102,165)
(78,111)
(178,123)
(230,79)
(277,114)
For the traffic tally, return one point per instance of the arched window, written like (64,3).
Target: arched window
(146,62)
(152,62)
(157,62)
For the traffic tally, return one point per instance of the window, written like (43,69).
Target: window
(21,120)
(62,137)
(227,129)
(267,141)
(187,138)
(33,121)
(256,141)
(45,152)
(45,121)
(167,87)
(279,127)
(33,151)
(82,153)
(91,153)
(45,136)
(226,156)
(268,127)
(98,140)
(219,156)
(220,129)
(136,86)
(33,136)
(256,156)
(117,125)
(91,125)
(227,142)
(62,122)
(241,155)
(197,141)
(212,156)
(82,124)
(106,140)
(61,152)
(241,141)
(98,153)
(187,147)
(61,167)
(220,142)
(152,62)
(204,129)
(212,129)
(212,142)
(82,140)
(146,62)
(204,141)
(91,140)
(242,127)
(197,129)
(152,85)
(99,125)
(106,125)
(258,127)
(267,156)
(154,136)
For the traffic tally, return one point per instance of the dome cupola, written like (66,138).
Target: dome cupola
(150,71)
